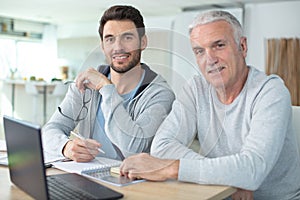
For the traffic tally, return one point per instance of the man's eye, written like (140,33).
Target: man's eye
(220,45)
(128,38)
(109,40)
(198,51)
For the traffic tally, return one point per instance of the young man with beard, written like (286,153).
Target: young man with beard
(241,116)
(118,107)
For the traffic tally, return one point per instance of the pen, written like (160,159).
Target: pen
(82,138)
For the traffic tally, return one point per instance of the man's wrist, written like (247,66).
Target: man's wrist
(103,83)
(65,150)
(174,169)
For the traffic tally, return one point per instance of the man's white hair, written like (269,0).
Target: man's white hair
(218,15)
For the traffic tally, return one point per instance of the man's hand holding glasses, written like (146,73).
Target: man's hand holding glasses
(78,149)
(92,79)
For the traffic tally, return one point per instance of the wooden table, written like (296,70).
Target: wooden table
(169,190)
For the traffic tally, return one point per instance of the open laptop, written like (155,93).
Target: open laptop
(27,170)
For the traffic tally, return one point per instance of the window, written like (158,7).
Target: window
(7,57)
(25,58)
(30,58)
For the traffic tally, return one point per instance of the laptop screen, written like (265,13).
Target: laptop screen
(25,157)
(27,171)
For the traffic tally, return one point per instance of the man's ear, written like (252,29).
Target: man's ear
(243,46)
(144,42)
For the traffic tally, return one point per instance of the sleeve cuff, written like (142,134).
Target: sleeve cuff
(189,170)
(106,88)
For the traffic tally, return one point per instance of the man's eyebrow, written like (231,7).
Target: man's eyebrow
(122,34)
(197,47)
(109,35)
(127,33)
(218,41)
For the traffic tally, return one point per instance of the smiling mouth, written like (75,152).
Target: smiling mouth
(215,70)
(120,57)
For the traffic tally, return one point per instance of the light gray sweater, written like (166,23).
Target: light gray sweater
(130,128)
(248,144)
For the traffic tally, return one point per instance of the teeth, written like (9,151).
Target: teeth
(120,57)
(216,70)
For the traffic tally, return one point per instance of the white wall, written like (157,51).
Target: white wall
(77,30)
(49,42)
(269,20)
(79,53)
(158,52)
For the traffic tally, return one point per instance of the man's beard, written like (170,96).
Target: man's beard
(135,60)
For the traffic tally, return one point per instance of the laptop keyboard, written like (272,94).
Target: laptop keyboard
(60,189)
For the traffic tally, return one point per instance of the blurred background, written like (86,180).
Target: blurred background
(43,43)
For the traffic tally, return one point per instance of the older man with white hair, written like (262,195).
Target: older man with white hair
(241,116)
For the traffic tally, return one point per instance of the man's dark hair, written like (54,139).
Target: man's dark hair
(120,12)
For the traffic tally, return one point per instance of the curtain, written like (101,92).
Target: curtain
(283,59)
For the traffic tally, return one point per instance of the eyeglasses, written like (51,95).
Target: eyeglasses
(87,96)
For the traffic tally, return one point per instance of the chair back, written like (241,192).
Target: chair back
(31,88)
(60,89)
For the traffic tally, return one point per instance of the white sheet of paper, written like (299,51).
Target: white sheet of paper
(2,145)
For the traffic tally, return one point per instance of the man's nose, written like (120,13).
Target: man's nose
(118,44)
(211,57)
